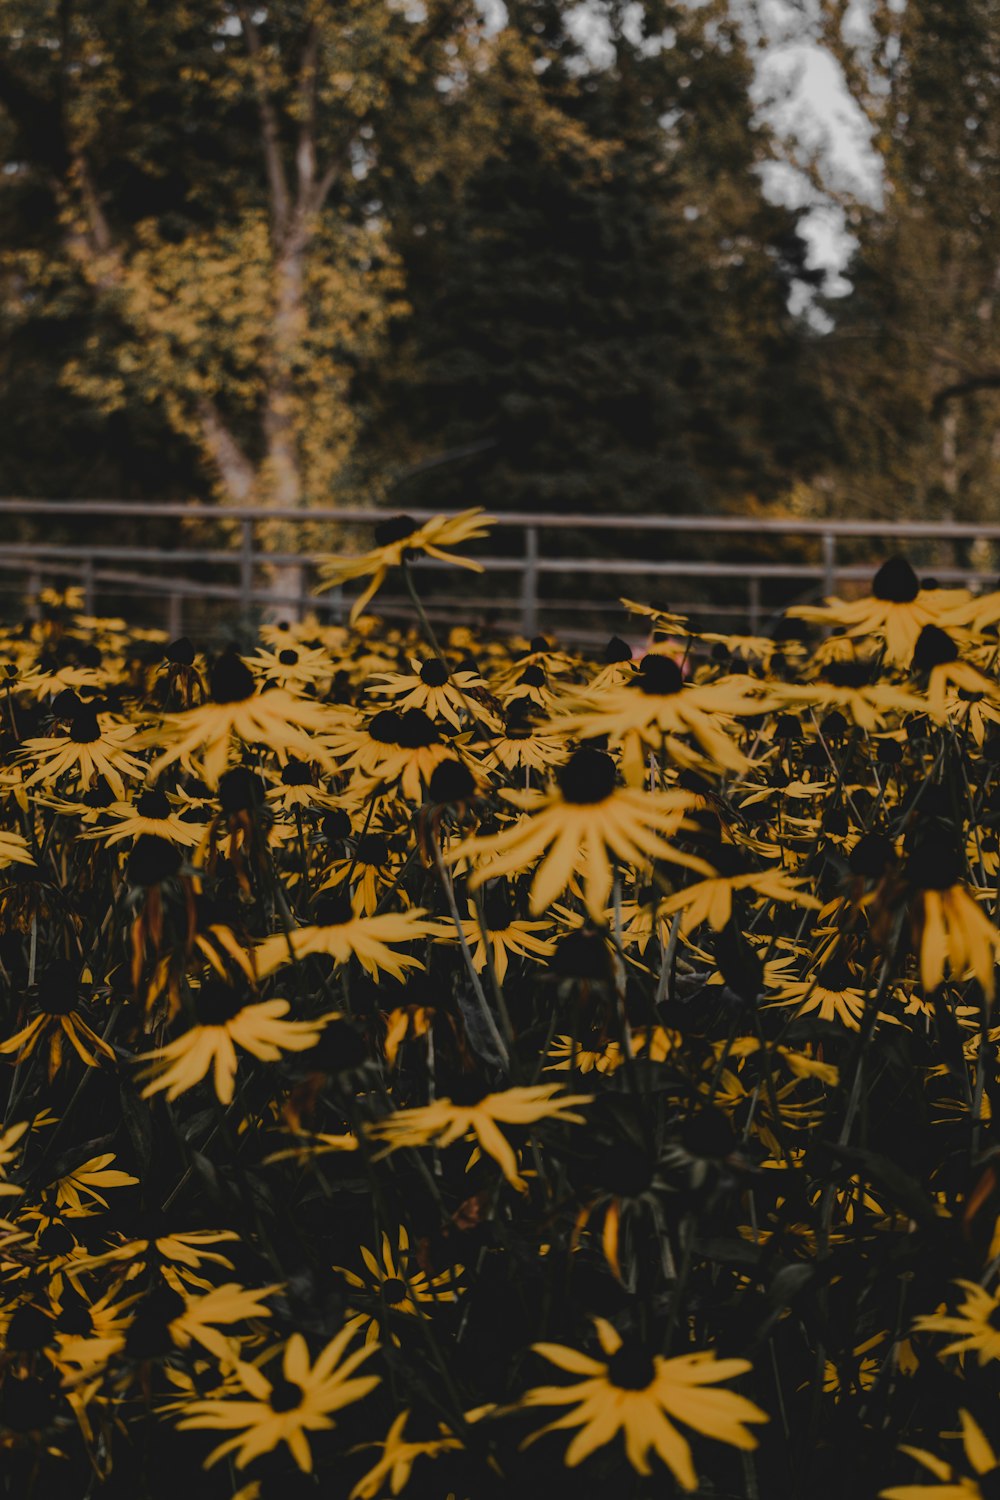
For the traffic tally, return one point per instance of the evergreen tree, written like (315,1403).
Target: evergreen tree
(608,328)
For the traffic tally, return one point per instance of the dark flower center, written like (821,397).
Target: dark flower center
(631,1369)
(76,1319)
(519,719)
(152,804)
(496,909)
(451,781)
(936,864)
(336,826)
(659,676)
(835,976)
(934,648)
(532,676)
(288,657)
(180,652)
(152,860)
(708,1134)
(240,790)
(216,1003)
(230,680)
(333,910)
(57,988)
(434,673)
(394,1291)
(617,650)
(296,773)
(416,730)
(385,727)
(394,530)
(582,955)
(150,1334)
(587,777)
(285,1395)
(848,674)
(84,728)
(29,1330)
(99,795)
(372,850)
(994,1319)
(896,582)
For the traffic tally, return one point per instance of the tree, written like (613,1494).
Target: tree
(912,364)
(607,328)
(195,177)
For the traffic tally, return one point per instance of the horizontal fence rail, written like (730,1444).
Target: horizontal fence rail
(94,562)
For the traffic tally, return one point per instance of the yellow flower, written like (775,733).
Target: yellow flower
(398,1457)
(365,938)
(9,1151)
(94,745)
(299,1400)
(397,1283)
(579,828)
(895,612)
(443,1122)
(955,933)
(227,1021)
(14,850)
(151,812)
(288,725)
(505,934)
(657,711)
(77,1193)
(641,1396)
(976,1321)
(397,539)
(711,900)
(953,1486)
(438,691)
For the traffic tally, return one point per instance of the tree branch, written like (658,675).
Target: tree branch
(988,380)
(270,133)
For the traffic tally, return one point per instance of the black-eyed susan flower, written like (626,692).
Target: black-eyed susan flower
(658,712)
(399,1454)
(894,613)
(954,933)
(399,538)
(580,828)
(951,1483)
(95,744)
(976,1321)
(286,1406)
(286,724)
(395,1284)
(711,900)
(439,691)
(228,1019)
(643,1396)
(59,1019)
(443,1122)
(374,941)
(495,933)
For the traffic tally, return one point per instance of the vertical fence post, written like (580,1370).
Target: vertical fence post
(175,616)
(829,562)
(246,569)
(754,603)
(88,585)
(529,583)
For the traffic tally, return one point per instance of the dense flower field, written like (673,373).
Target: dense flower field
(462,1068)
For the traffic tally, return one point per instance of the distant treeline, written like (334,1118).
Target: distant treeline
(420,254)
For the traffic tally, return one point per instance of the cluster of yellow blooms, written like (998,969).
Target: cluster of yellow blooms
(387,1020)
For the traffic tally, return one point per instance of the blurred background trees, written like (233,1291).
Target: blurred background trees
(440,252)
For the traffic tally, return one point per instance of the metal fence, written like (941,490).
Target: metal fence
(527,549)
